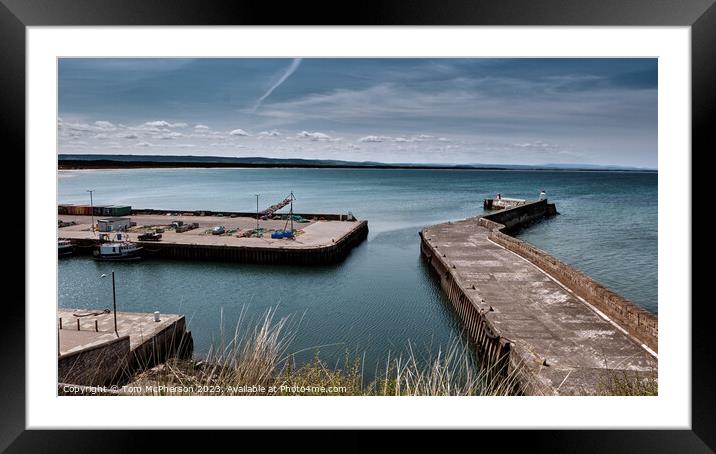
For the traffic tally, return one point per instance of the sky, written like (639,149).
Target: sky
(443,111)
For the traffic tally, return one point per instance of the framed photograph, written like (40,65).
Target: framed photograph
(461,216)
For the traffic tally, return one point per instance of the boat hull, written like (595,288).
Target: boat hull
(64,252)
(117,259)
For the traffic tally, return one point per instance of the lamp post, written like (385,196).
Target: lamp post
(114,303)
(91,207)
(257,211)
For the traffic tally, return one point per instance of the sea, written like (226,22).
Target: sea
(382,300)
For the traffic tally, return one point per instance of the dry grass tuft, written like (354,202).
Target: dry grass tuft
(256,363)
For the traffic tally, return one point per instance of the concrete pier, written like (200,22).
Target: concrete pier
(323,239)
(562,332)
(91,352)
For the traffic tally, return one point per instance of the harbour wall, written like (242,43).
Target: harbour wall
(512,219)
(99,365)
(639,323)
(493,348)
(115,362)
(499,351)
(318,255)
(173,341)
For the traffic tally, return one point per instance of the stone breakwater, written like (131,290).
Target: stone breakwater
(559,330)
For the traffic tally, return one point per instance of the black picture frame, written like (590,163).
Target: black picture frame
(700,15)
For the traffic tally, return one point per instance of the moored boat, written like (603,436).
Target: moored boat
(116,250)
(64,248)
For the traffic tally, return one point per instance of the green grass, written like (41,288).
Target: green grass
(624,383)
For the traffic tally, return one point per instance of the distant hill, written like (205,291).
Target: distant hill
(89,161)
(595,167)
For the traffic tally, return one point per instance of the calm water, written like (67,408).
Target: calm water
(382,295)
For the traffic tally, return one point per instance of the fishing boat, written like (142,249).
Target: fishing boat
(118,250)
(64,248)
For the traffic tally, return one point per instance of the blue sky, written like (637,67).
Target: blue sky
(503,111)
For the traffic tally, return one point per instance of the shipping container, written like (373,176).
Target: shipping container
(98,210)
(80,210)
(120,210)
(63,208)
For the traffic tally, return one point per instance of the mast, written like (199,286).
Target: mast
(291,210)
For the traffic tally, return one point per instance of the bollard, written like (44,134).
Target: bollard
(78,324)
(60,322)
(156,316)
(96,327)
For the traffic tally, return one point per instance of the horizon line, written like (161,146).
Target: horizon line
(166,159)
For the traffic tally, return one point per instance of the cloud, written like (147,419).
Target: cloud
(143,144)
(272,133)
(127,135)
(79,127)
(374,139)
(164,124)
(239,132)
(494,105)
(381,139)
(101,136)
(315,136)
(535,145)
(201,127)
(290,70)
(169,135)
(157,123)
(105,125)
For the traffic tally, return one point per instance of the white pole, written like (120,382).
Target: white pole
(91,207)
(257,211)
